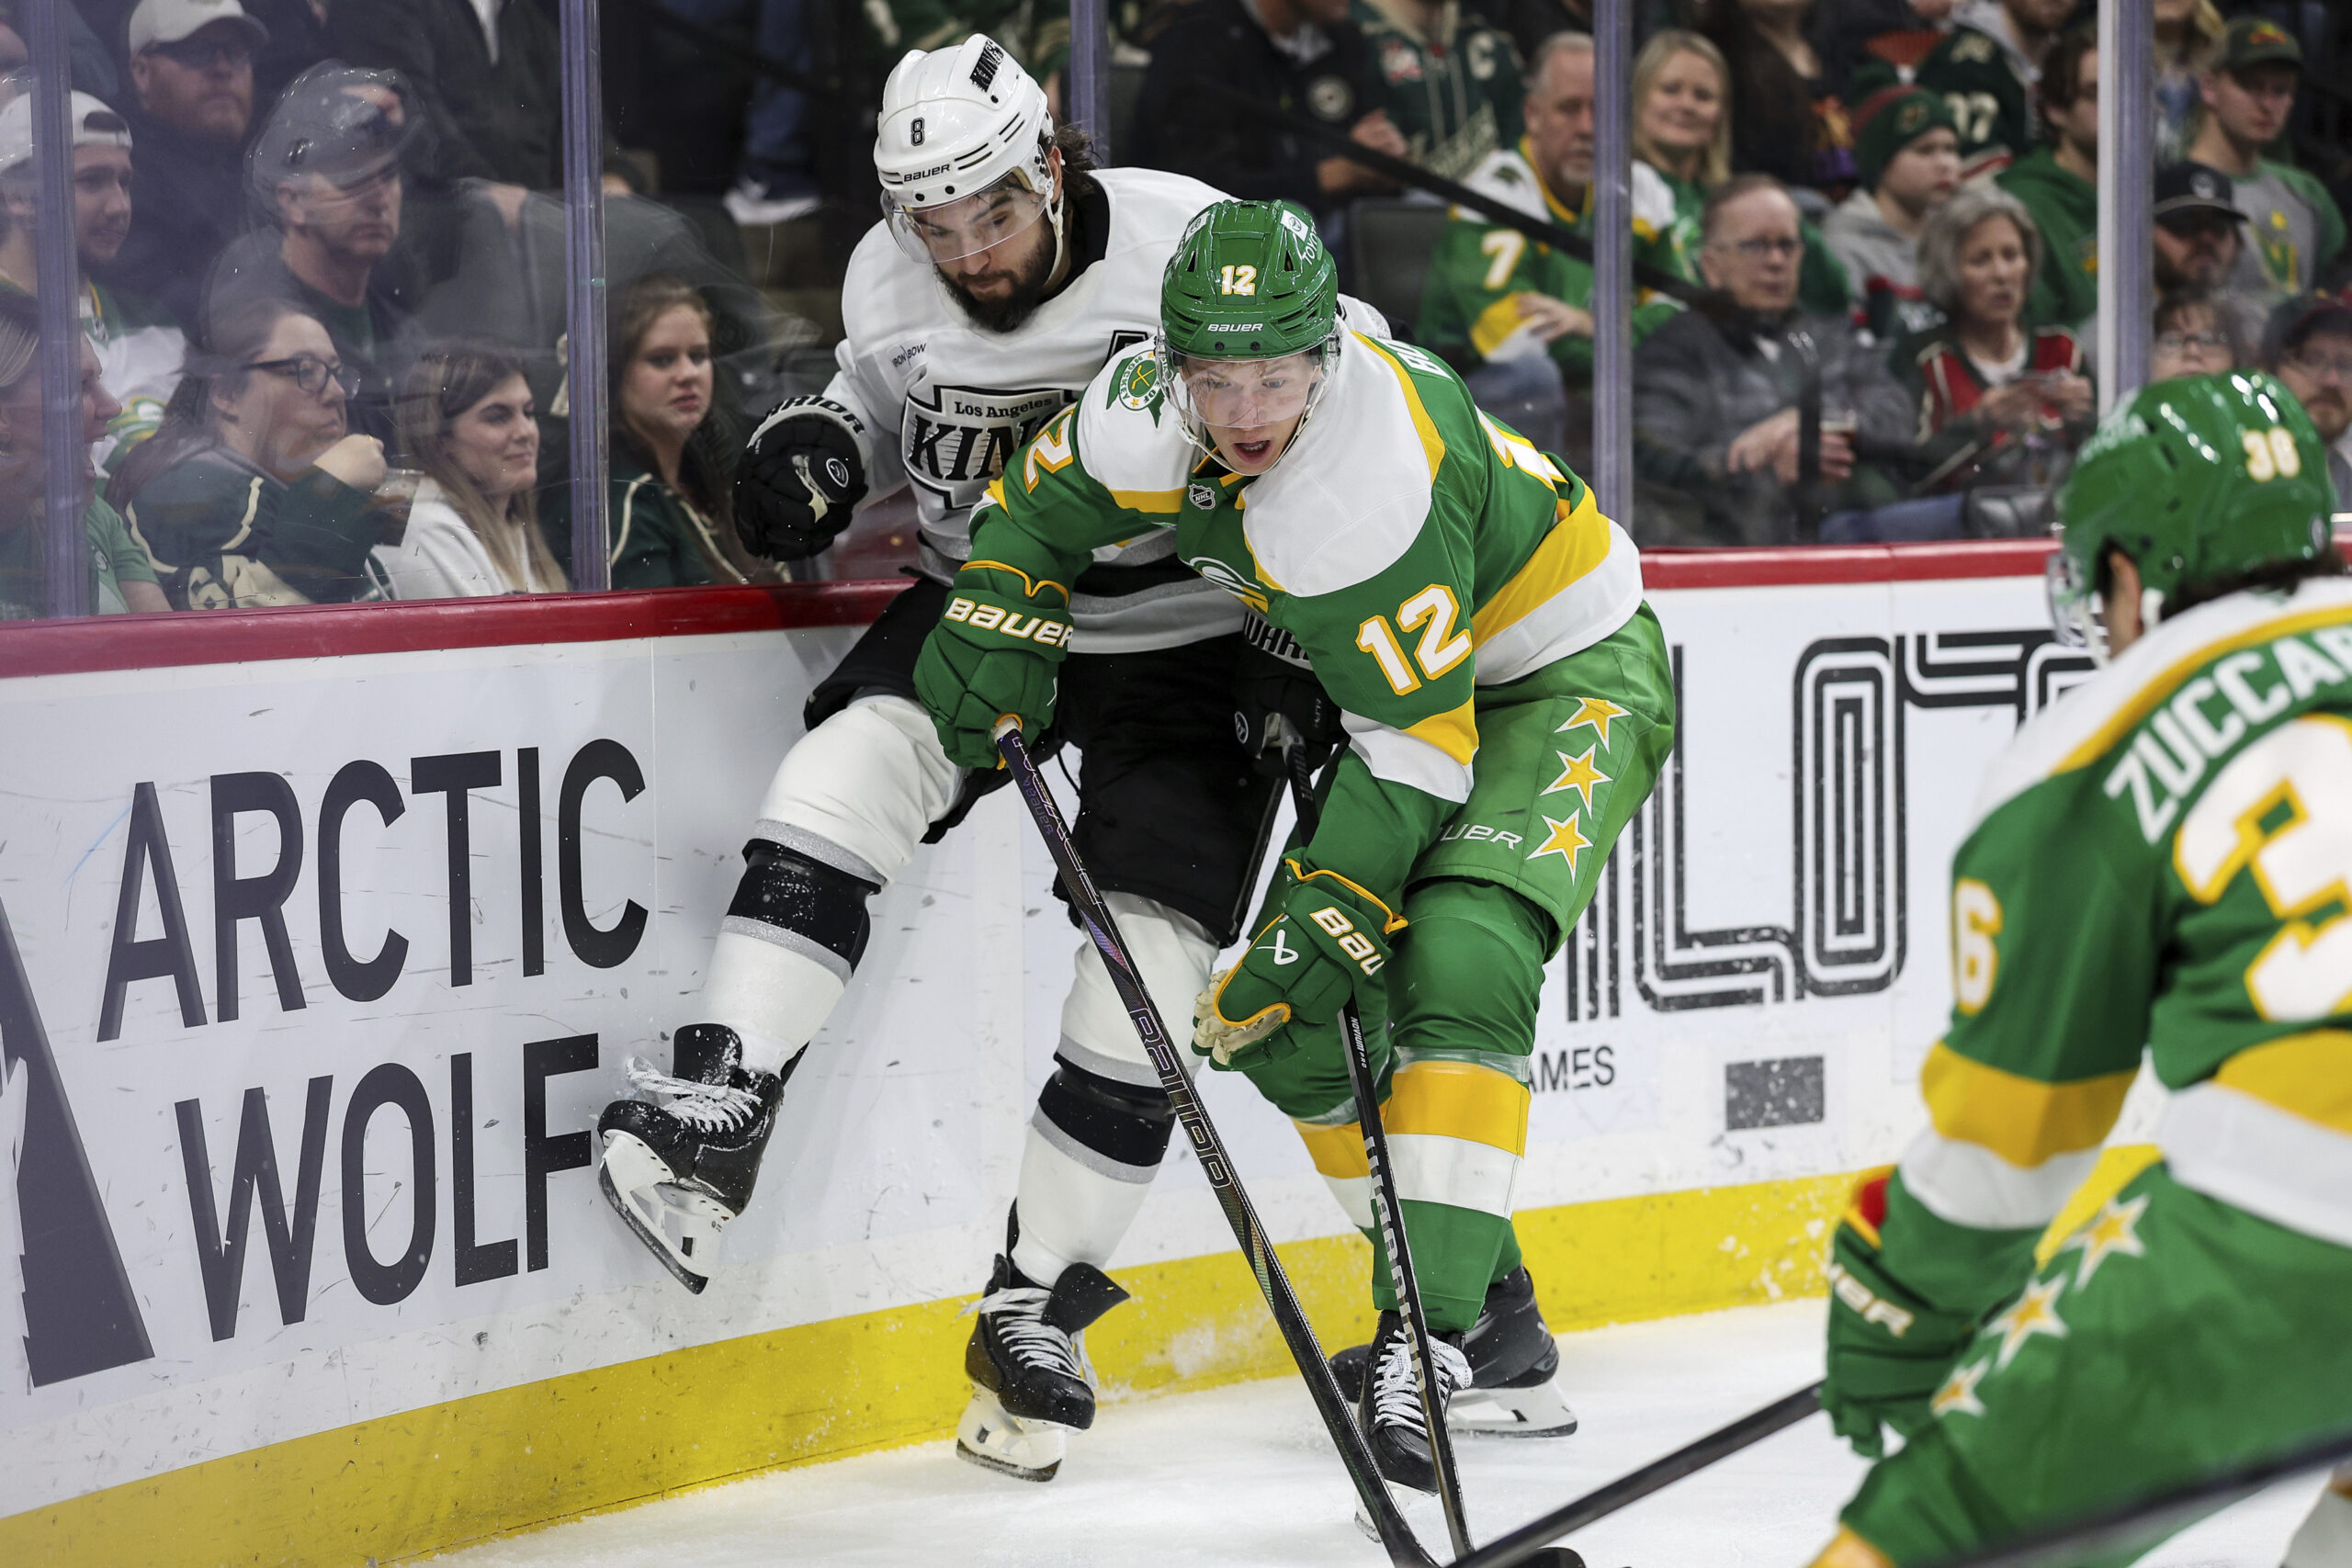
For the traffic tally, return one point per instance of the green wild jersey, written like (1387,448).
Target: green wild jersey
(1455,97)
(1416,549)
(1478,270)
(1988,86)
(2161,860)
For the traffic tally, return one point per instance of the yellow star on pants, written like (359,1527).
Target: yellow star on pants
(1578,773)
(2113,1231)
(2033,1313)
(1958,1396)
(1596,711)
(1564,840)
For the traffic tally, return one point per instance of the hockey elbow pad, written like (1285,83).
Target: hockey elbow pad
(801,476)
(1890,1349)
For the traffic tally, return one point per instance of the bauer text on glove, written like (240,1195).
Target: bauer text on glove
(1890,1349)
(993,655)
(1327,941)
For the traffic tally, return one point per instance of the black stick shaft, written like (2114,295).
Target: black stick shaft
(1385,1204)
(1281,1300)
(1523,1543)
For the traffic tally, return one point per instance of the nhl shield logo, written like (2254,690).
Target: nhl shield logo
(1202,498)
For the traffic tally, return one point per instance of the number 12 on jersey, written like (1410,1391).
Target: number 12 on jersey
(1432,611)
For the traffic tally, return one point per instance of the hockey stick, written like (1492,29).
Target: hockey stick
(1525,1544)
(2115,1525)
(1396,1535)
(1384,1195)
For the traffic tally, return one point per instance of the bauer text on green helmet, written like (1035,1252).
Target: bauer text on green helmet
(2189,490)
(972,180)
(1248,328)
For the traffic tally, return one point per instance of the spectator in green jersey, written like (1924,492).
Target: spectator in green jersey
(1909,153)
(1448,78)
(2058,182)
(2295,228)
(1986,70)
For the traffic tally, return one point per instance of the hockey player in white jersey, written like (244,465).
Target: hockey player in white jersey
(1007,272)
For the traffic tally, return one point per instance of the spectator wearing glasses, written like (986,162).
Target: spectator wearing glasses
(2000,403)
(325,174)
(467,420)
(2191,336)
(119,576)
(2058,182)
(1517,313)
(2308,346)
(1721,392)
(1909,153)
(192,70)
(2294,228)
(253,493)
(139,347)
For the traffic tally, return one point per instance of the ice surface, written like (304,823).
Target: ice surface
(1244,1476)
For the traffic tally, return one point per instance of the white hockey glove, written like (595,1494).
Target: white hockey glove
(801,478)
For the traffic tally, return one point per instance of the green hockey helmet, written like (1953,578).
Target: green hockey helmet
(1250,281)
(2194,480)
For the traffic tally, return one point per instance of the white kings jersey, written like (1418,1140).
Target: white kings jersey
(944,402)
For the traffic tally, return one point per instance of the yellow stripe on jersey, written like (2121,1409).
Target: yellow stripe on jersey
(2022,1120)
(1338,1151)
(1575,547)
(1458,1100)
(1456,733)
(2308,1075)
(1432,443)
(1495,323)
(2159,688)
(1168,501)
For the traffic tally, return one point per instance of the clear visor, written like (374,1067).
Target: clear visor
(951,231)
(2074,613)
(1245,394)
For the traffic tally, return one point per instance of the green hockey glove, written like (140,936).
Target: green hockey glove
(993,655)
(1889,1350)
(1328,942)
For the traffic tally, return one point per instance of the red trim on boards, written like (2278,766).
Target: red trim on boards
(1784,566)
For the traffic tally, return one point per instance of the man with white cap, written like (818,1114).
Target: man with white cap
(139,346)
(192,70)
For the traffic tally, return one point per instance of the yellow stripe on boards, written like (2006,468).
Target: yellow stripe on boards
(1432,443)
(1454,732)
(1337,1152)
(1571,550)
(2022,1120)
(1495,323)
(1458,1100)
(2308,1075)
(403,1487)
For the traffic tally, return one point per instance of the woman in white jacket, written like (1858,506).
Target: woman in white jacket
(465,418)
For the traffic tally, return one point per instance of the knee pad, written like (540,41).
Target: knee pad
(1118,1129)
(1469,975)
(1173,955)
(859,791)
(792,901)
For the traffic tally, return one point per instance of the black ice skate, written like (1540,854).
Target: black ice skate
(1031,1380)
(1389,1407)
(680,1163)
(1514,1368)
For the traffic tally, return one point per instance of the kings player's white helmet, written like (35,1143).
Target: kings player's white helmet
(961,150)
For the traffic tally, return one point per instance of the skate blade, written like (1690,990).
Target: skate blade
(679,1227)
(1418,1508)
(1538,1412)
(992,1439)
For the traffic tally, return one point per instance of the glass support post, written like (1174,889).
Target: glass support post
(583,215)
(66,553)
(2126,194)
(1613,273)
(1088,100)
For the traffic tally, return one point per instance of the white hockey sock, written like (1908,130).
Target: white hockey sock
(1080,1186)
(856,793)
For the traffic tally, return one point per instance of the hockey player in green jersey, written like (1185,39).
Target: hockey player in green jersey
(1507,701)
(2160,861)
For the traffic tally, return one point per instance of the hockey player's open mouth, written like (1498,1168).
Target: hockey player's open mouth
(1253,451)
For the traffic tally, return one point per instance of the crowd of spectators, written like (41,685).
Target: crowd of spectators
(323,281)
